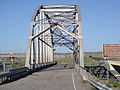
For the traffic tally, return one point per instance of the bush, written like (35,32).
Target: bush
(113,83)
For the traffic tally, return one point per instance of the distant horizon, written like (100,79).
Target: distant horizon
(54,52)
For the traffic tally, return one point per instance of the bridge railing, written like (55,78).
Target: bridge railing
(18,73)
(13,75)
(96,84)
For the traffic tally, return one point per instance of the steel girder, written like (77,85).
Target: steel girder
(53,26)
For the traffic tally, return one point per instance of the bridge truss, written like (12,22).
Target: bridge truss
(54,26)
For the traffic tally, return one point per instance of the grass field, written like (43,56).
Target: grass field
(90,58)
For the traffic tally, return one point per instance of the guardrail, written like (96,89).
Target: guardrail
(96,84)
(42,66)
(13,75)
(18,73)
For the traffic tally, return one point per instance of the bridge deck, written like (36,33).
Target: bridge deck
(58,77)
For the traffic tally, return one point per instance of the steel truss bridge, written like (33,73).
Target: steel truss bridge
(51,27)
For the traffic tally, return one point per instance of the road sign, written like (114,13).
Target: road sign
(111,50)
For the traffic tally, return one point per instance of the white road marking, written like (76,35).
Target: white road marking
(73,81)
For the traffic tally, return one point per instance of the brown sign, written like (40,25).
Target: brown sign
(111,50)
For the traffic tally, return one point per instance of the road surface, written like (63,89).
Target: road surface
(58,77)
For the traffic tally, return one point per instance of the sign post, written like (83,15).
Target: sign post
(106,61)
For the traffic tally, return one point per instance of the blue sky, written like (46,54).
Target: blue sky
(100,22)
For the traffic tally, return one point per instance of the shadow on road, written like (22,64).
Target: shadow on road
(58,67)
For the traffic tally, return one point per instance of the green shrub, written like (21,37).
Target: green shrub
(113,83)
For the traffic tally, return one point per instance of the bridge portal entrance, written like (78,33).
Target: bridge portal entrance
(54,26)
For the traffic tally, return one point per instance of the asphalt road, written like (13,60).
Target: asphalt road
(58,77)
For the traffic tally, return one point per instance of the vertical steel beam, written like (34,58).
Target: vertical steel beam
(41,29)
(37,42)
(81,37)
(81,56)
(28,54)
(44,48)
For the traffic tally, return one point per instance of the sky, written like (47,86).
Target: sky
(100,22)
